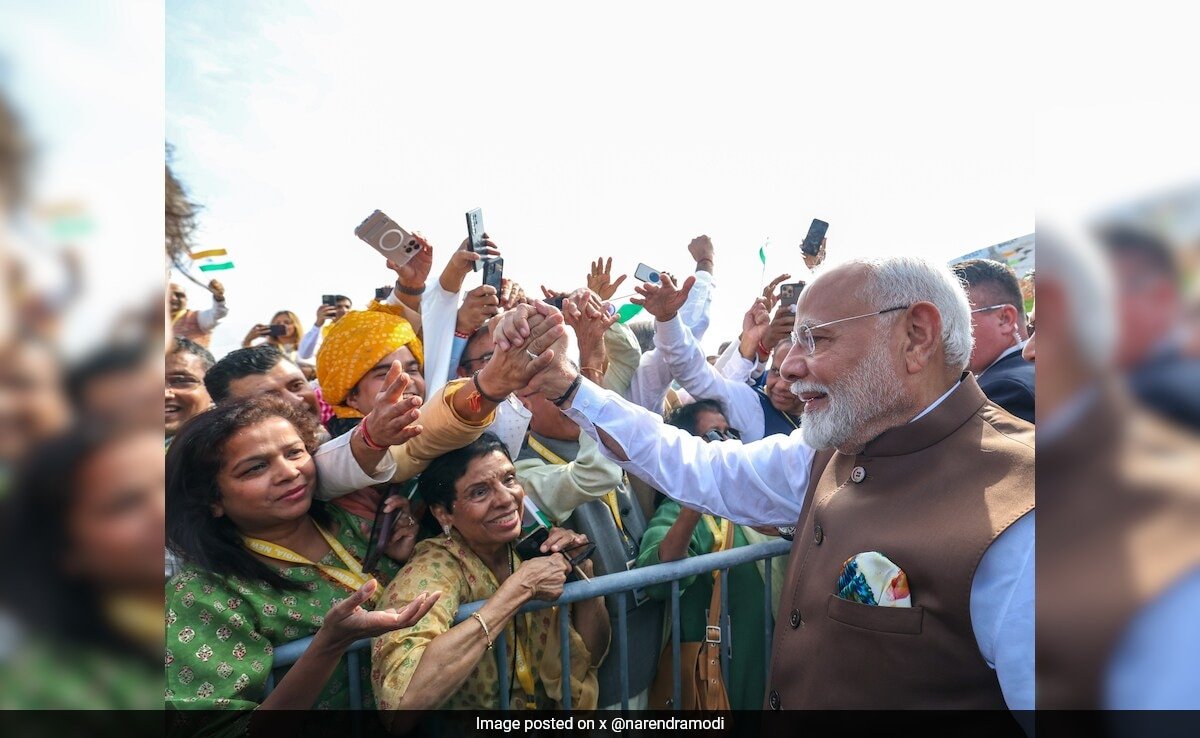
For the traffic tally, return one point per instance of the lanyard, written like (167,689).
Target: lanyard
(719,532)
(609,498)
(175,318)
(524,661)
(352,579)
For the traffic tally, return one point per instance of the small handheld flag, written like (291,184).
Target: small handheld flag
(212,260)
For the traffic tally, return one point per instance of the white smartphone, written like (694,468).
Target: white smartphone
(647,274)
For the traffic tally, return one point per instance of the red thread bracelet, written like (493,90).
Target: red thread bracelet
(366,437)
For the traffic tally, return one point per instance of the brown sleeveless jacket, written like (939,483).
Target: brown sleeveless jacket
(931,496)
(1119,524)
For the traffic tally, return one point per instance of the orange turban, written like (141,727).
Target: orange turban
(355,344)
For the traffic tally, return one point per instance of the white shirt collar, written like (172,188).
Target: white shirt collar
(1019,347)
(936,402)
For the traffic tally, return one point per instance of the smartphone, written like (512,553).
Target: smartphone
(277,330)
(647,274)
(387,237)
(381,293)
(493,272)
(530,547)
(330,300)
(790,292)
(816,234)
(381,530)
(557,302)
(475,234)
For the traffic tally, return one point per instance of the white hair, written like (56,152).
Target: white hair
(904,280)
(1065,256)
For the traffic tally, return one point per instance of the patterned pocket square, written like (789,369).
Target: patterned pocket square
(872,579)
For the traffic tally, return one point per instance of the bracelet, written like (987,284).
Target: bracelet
(762,350)
(487,634)
(479,389)
(366,437)
(593,369)
(460,334)
(410,290)
(570,390)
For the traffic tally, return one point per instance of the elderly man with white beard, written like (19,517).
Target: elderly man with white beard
(910,583)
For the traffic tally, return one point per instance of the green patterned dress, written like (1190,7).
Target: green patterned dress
(222,632)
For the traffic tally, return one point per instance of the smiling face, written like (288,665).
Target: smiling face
(851,386)
(176,297)
(267,476)
(362,396)
(489,502)
(186,396)
(284,380)
(780,392)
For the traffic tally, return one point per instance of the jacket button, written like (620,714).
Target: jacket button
(858,475)
(795,618)
(774,700)
(818,535)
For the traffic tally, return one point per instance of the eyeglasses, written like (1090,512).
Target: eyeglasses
(989,307)
(729,434)
(482,357)
(803,336)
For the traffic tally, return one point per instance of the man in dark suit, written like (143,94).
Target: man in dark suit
(1150,313)
(998,323)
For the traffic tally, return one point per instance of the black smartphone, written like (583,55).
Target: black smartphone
(330,300)
(816,234)
(277,330)
(475,234)
(493,272)
(381,530)
(530,547)
(557,302)
(789,293)
(381,293)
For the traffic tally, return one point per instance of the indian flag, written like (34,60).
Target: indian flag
(212,260)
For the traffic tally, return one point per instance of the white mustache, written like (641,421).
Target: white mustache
(798,388)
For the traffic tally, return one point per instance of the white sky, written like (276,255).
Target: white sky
(620,130)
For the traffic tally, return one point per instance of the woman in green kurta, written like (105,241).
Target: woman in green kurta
(264,565)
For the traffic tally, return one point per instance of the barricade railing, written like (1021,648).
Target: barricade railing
(619,584)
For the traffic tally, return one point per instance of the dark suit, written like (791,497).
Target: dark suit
(1009,384)
(1169,384)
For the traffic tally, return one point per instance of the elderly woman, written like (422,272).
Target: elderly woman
(264,564)
(475,496)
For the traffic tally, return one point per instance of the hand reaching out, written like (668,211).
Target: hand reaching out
(415,273)
(347,621)
(663,301)
(769,293)
(393,419)
(462,261)
(480,304)
(600,280)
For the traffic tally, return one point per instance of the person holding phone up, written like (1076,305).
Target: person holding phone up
(283,332)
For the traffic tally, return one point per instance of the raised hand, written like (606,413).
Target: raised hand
(814,261)
(392,421)
(325,312)
(701,249)
(779,328)
(347,621)
(754,327)
(663,301)
(462,262)
(769,291)
(403,538)
(600,279)
(511,294)
(415,273)
(217,289)
(480,304)
(511,369)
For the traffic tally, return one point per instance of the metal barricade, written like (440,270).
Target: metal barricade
(620,585)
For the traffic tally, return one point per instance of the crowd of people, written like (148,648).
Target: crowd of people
(454,415)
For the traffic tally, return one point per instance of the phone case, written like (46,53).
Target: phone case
(812,242)
(493,273)
(646,273)
(789,293)
(388,238)
(475,233)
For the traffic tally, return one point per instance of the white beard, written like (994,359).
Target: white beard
(871,391)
